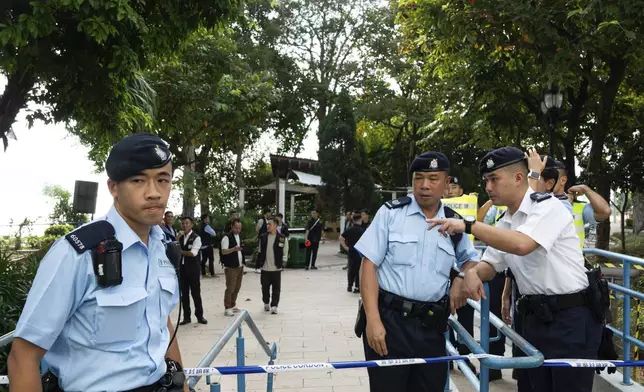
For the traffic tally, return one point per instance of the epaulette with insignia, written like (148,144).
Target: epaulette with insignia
(540,196)
(90,236)
(450,213)
(401,202)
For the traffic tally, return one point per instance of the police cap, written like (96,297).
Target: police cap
(430,162)
(454,180)
(501,157)
(136,153)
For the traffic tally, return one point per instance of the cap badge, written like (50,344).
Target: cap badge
(394,202)
(160,153)
(434,164)
(490,163)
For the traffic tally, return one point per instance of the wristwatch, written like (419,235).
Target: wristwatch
(534,175)
(469,221)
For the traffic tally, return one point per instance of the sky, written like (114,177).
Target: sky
(49,155)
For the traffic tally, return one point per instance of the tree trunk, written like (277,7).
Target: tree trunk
(12,100)
(623,228)
(596,174)
(189,182)
(239,175)
(201,164)
(638,212)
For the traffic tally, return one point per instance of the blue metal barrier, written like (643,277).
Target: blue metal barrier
(236,326)
(532,359)
(625,333)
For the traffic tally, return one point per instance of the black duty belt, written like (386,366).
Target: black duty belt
(432,315)
(545,306)
(561,301)
(407,307)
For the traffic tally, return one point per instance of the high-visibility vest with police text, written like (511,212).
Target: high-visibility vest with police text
(465,205)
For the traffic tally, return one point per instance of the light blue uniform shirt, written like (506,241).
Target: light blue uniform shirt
(588,213)
(103,339)
(412,262)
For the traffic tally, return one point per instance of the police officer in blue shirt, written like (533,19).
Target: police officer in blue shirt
(98,310)
(536,239)
(405,280)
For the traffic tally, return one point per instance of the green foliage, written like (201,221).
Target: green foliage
(16,275)
(63,208)
(344,169)
(58,230)
(82,59)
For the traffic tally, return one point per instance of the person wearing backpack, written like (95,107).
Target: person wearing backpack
(408,284)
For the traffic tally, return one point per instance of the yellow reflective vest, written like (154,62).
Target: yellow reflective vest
(465,205)
(578,217)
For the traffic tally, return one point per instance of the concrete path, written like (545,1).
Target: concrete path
(314,323)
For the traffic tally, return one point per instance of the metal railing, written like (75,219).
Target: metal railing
(209,357)
(627,293)
(236,326)
(532,359)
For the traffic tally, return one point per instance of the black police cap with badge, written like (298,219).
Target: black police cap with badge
(136,153)
(430,161)
(503,157)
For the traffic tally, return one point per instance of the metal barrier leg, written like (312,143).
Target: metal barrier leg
(216,387)
(484,376)
(241,361)
(269,381)
(626,321)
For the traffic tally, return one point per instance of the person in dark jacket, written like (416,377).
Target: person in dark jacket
(272,257)
(190,280)
(232,258)
(348,240)
(282,227)
(207,235)
(314,233)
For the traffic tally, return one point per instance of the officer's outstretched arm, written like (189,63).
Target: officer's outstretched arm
(24,366)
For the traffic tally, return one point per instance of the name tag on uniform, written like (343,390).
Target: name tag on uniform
(165,263)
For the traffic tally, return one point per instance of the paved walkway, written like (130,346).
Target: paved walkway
(314,323)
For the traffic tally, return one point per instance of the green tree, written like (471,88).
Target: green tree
(82,59)
(63,212)
(500,54)
(344,169)
(326,40)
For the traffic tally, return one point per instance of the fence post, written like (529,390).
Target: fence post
(241,361)
(626,322)
(484,376)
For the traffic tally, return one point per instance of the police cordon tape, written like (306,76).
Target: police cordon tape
(297,367)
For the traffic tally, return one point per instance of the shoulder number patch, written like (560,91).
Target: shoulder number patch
(397,203)
(540,196)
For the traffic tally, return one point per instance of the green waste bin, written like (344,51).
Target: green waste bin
(296,252)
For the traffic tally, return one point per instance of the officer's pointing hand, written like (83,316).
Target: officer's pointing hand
(448,226)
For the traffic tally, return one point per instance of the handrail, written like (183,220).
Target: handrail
(625,333)
(235,326)
(627,292)
(6,339)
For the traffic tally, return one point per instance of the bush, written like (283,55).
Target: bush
(58,230)
(38,242)
(628,223)
(250,244)
(16,276)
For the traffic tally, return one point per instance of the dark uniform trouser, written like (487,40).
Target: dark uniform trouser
(407,338)
(353,273)
(312,253)
(208,256)
(573,334)
(268,279)
(190,284)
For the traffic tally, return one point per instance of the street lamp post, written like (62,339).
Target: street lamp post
(550,105)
